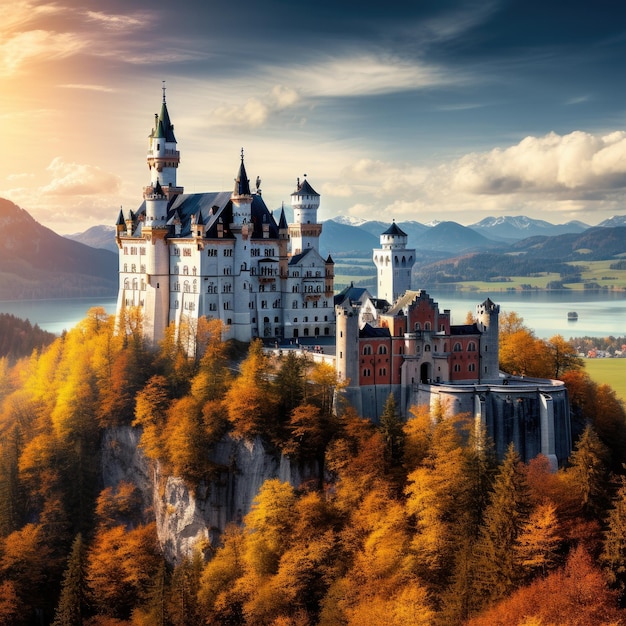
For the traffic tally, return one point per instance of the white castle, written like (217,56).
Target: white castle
(222,254)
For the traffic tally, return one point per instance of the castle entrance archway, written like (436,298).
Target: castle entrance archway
(425,372)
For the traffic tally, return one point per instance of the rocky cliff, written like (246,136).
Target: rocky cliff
(190,517)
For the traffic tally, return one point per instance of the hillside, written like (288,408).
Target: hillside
(36,263)
(97,237)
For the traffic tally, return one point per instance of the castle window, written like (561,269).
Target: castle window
(194,270)
(457,367)
(195,286)
(133,268)
(211,252)
(125,249)
(306,319)
(471,367)
(226,305)
(142,251)
(457,347)
(427,326)
(427,348)
(367,349)
(306,332)
(186,287)
(471,347)
(142,269)
(295,304)
(126,283)
(125,267)
(417,326)
(295,320)
(186,251)
(185,270)
(228,252)
(327,331)
(176,304)
(135,283)
(382,371)
(175,251)
(382,349)
(255,252)
(295,289)
(276,320)
(227,271)
(366,373)
(176,286)
(264,304)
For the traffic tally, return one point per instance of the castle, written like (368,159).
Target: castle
(223,255)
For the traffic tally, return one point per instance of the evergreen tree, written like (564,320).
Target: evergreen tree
(497,570)
(588,474)
(72,607)
(613,555)
(393,434)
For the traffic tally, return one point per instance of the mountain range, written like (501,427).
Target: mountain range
(37,263)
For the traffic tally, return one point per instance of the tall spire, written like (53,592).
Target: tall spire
(242,184)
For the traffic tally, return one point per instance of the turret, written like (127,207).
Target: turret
(305,231)
(487,320)
(163,157)
(347,344)
(394,264)
(242,197)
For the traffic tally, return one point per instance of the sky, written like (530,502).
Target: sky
(408,110)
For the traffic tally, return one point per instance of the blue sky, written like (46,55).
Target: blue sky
(428,110)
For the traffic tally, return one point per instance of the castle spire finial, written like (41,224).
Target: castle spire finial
(242,155)
(163,88)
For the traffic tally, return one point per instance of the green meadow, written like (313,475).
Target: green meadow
(609,371)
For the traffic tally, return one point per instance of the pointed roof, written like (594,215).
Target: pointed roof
(304,188)
(395,230)
(158,190)
(330,260)
(242,184)
(282,222)
(164,119)
(120,219)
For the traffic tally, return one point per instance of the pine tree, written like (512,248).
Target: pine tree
(613,555)
(391,429)
(72,607)
(497,570)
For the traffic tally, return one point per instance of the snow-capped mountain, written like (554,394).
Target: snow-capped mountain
(515,227)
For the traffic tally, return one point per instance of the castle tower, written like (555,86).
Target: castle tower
(487,317)
(242,229)
(394,263)
(163,159)
(347,342)
(305,231)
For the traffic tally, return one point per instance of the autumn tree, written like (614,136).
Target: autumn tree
(121,564)
(390,425)
(150,413)
(562,356)
(250,401)
(613,555)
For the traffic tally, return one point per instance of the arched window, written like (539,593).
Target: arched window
(367,349)
(471,347)
(186,287)
(417,326)
(382,349)
(457,367)
(426,325)
(306,332)
(457,347)
(471,367)
(427,348)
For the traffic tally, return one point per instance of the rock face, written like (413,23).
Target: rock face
(188,518)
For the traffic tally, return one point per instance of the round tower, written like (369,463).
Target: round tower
(487,320)
(305,231)
(394,264)
(347,345)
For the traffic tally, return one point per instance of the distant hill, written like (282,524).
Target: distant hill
(97,237)
(453,238)
(507,227)
(36,263)
(340,238)
(616,220)
(594,244)
(413,229)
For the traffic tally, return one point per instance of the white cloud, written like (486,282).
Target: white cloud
(552,163)
(74,179)
(88,87)
(255,112)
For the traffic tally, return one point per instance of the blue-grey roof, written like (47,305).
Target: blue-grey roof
(395,230)
(164,127)
(305,188)
(371,331)
(213,207)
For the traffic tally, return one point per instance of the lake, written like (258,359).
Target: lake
(599,314)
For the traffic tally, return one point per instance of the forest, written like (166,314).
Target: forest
(411,521)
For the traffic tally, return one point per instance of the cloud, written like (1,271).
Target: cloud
(115,22)
(35,45)
(563,164)
(74,179)
(255,111)
(88,87)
